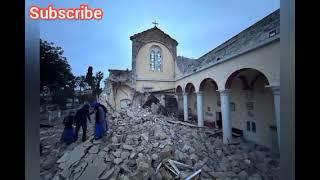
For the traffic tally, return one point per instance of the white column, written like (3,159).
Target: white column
(276,96)
(185,106)
(200,108)
(226,121)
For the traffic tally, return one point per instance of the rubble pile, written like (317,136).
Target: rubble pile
(142,145)
(52,149)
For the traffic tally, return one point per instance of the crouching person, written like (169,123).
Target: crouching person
(68,132)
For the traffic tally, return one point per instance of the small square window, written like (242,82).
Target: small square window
(272,33)
(253,127)
(248,125)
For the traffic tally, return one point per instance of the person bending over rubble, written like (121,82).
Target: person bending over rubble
(101,125)
(68,132)
(81,121)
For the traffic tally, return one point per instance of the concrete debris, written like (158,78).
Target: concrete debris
(147,145)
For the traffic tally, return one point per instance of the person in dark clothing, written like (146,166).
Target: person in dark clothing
(68,132)
(81,121)
(101,125)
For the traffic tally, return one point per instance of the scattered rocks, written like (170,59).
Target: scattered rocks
(117,161)
(94,150)
(140,141)
(107,174)
(127,147)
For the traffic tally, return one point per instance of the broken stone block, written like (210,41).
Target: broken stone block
(166,153)
(89,158)
(139,149)
(117,160)
(94,150)
(125,154)
(154,145)
(140,155)
(81,167)
(162,145)
(186,148)
(74,156)
(114,139)
(144,171)
(106,149)
(154,156)
(65,173)
(97,141)
(64,158)
(107,174)
(132,155)
(117,153)
(194,158)
(107,158)
(94,170)
(102,154)
(145,136)
(115,173)
(127,147)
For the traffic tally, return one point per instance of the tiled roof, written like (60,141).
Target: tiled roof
(258,33)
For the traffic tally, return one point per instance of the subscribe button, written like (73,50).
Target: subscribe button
(84,12)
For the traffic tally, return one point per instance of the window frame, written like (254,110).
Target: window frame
(155,59)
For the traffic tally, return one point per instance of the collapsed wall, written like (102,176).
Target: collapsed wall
(118,94)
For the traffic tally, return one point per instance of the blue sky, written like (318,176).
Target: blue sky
(198,26)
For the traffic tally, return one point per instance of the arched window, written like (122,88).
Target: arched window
(155,59)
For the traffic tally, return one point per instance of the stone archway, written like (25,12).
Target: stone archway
(252,109)
(179,96)
(211,108)
(190,91)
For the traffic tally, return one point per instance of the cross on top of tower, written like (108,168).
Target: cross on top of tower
(155,23)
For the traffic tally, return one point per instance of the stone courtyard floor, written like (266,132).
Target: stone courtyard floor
(142,145)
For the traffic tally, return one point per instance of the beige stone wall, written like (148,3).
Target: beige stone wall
(210,98)
(180,101)
(121,93)
(237,96)
(264,114)
(158,80)
(155,84)
(192,102)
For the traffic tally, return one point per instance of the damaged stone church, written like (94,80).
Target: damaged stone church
(234,87)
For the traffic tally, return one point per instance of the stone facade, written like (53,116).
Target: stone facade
(148,36)
(241,69)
